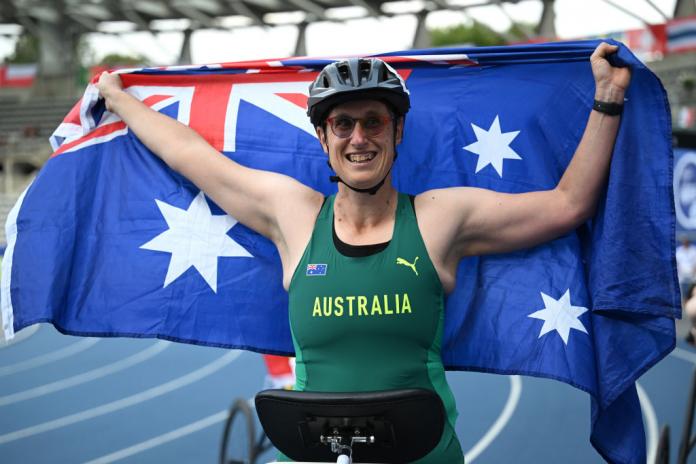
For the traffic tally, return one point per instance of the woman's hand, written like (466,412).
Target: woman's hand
(109,84)
(611,82)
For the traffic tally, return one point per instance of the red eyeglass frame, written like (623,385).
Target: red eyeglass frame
(384,118)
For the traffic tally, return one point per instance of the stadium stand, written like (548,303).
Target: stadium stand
(25,126)
(33,118)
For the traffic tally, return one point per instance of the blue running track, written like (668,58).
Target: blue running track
(77,400)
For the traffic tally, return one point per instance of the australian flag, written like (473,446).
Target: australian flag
(107,241)
(316,269)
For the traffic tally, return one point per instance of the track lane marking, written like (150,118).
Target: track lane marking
(167,437)
(500,422)
(85,377)
(650,421)
(20,336)
(123,403)
(162,439)
(43,359)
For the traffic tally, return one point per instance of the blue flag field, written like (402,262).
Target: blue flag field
(108,241)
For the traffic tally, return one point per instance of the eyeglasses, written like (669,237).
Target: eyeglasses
(342,126)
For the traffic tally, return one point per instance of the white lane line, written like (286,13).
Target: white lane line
(684,355)
(167,437)
(162,439)
(650,421)
(94,374)
(37,361)
(132,400)
(500,422)
(20,336)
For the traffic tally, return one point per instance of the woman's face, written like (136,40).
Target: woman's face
(362,158)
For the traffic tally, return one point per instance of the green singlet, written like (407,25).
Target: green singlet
(372,322)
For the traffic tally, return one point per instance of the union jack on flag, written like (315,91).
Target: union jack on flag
(108,241)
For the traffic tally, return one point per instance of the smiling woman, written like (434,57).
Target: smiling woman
(380,257)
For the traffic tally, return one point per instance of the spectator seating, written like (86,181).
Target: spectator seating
(25,125)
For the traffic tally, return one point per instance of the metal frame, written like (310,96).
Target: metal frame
(202,13)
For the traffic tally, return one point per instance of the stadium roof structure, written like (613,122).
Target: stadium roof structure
(80,16)
(59,23)
(202,13)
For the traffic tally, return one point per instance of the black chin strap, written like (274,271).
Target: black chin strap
(372,190)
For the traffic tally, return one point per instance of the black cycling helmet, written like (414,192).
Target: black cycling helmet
(348,80)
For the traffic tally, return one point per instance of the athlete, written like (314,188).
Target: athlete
(369,250)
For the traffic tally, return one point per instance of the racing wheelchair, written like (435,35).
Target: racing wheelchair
(374,427)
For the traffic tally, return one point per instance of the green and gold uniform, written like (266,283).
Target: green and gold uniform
(371,322)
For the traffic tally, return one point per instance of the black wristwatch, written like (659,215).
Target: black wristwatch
(608,108)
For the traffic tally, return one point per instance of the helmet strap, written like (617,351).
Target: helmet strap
(372,190)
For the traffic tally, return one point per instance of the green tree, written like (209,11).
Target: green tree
(116,59)
(474,34)
(481,35)
(519,32)
(26,50)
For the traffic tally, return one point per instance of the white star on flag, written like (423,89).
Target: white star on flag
(195,238)
(559,315)
(492,146)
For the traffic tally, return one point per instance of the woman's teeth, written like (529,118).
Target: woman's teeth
(361,158)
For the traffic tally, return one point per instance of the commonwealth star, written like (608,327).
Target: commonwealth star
(559,315)
(492,146)
(195,238)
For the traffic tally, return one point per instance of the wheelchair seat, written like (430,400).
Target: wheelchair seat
(395,426)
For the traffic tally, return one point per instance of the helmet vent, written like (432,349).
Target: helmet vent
(365,67)
(384,73)
(344,72)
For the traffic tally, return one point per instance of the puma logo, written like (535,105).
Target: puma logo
(406,263)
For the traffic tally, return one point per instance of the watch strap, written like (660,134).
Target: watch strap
(608,108)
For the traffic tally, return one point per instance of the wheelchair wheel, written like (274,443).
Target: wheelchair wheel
(239,437)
